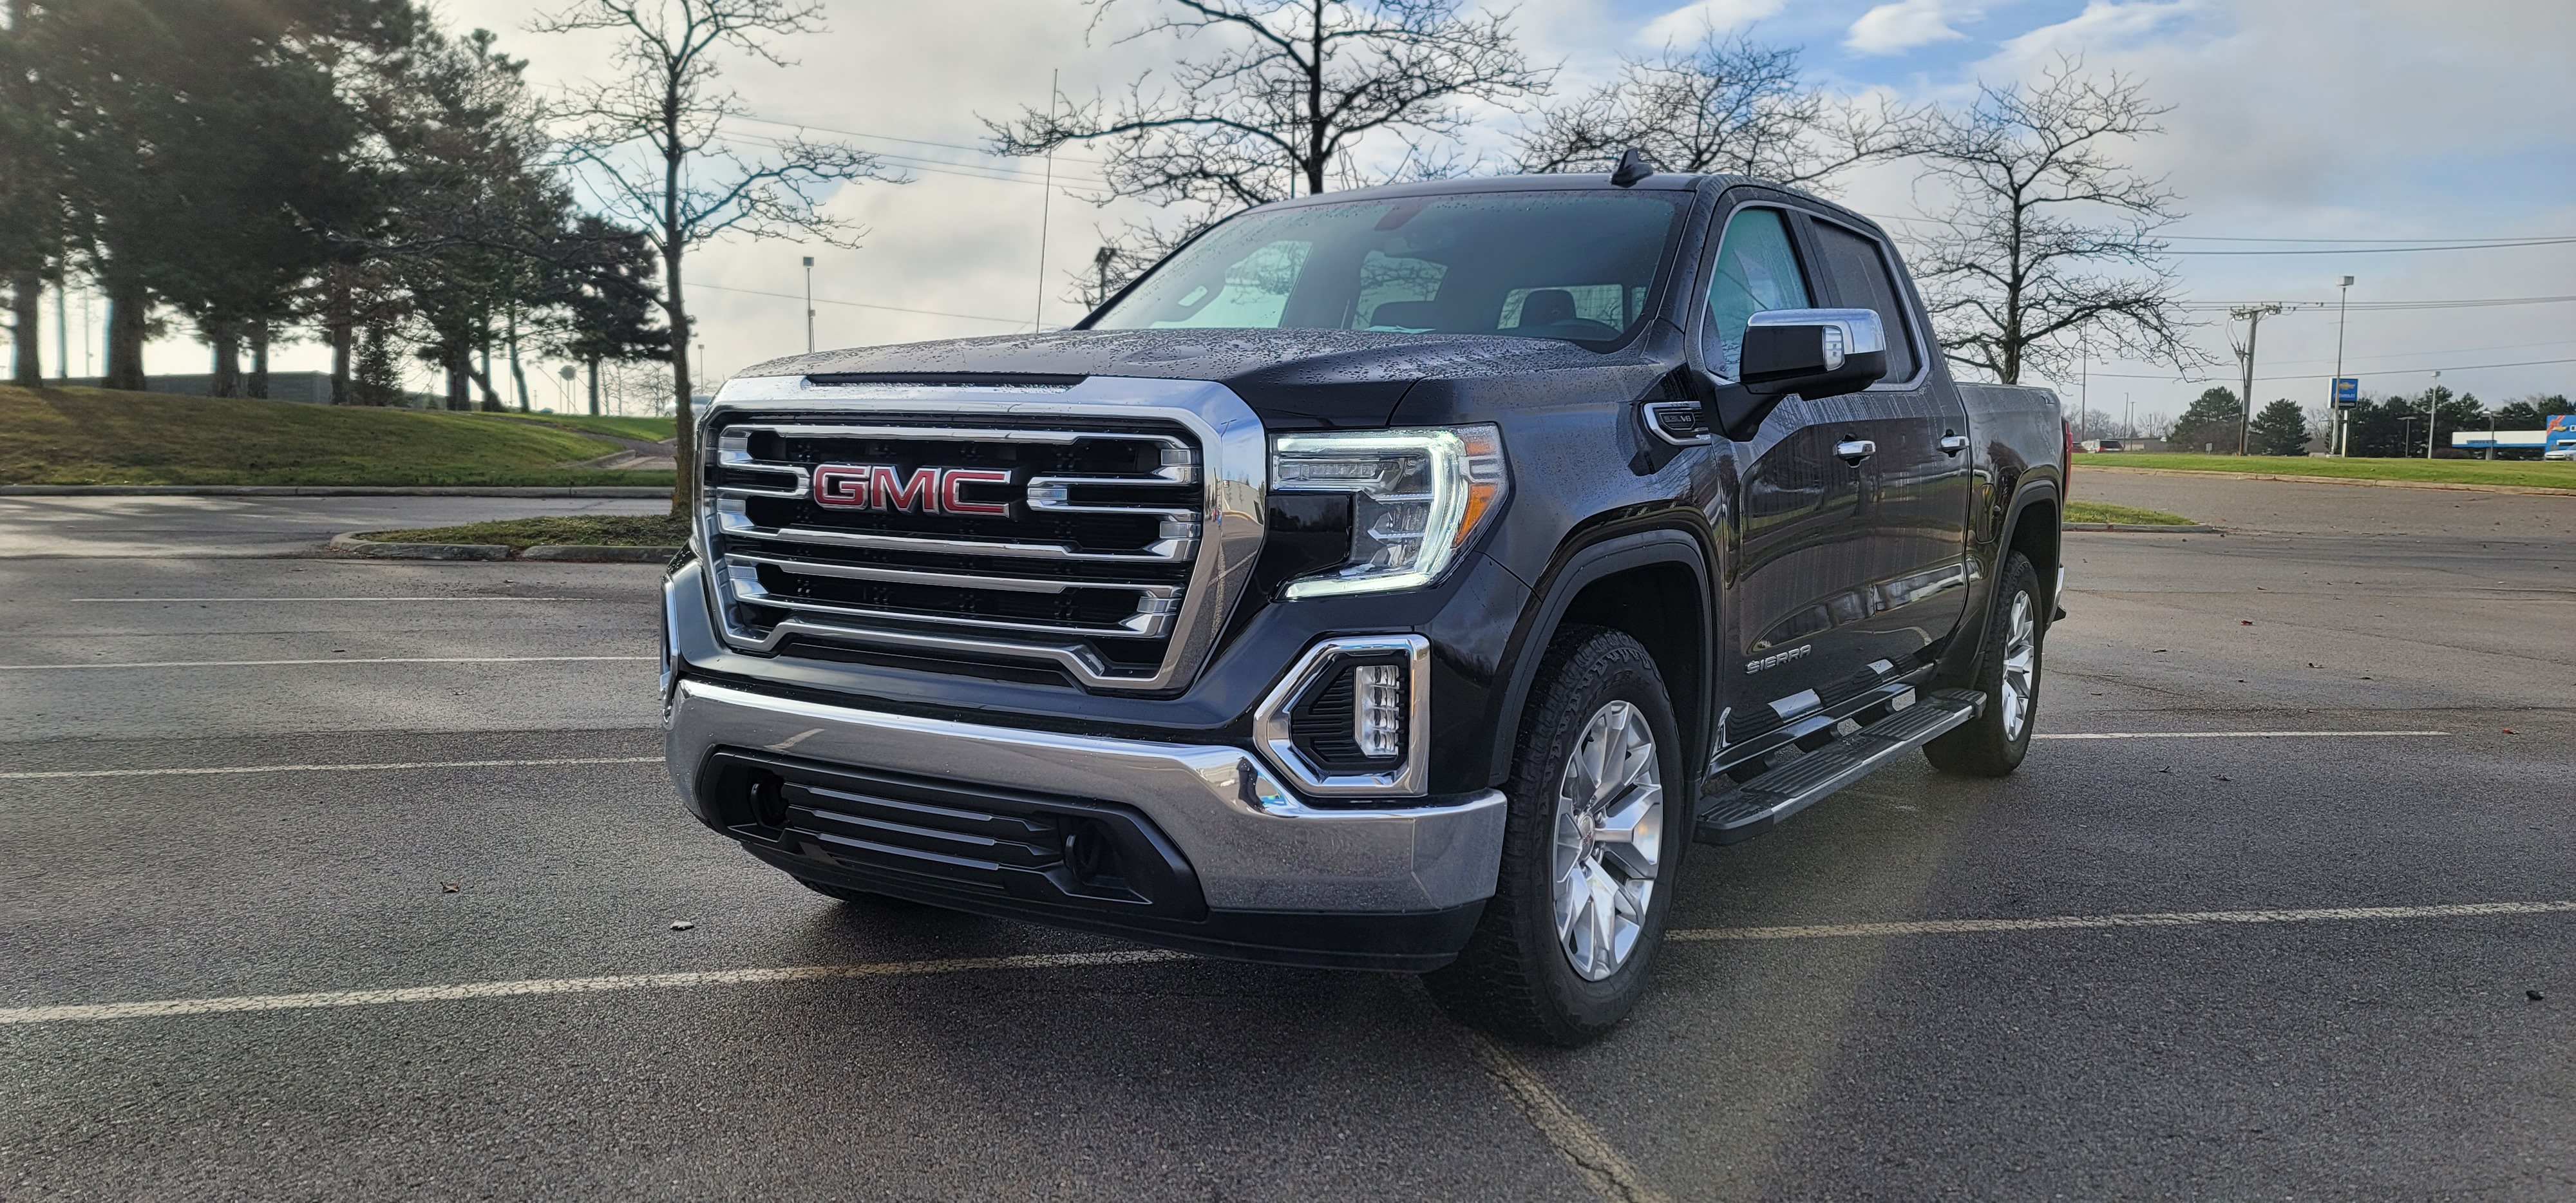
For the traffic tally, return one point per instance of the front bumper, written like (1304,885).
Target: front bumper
(1395,888)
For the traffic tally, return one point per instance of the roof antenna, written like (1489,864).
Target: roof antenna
(1633,167)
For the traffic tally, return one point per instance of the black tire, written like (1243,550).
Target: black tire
(1517,977)
(859,897)
(1993,744)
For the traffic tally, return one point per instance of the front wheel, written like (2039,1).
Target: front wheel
(1567,944)
(1993,743)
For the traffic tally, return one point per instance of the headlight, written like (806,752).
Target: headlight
(1417,497)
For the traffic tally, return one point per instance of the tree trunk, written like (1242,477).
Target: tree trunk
(341,331)
(25,289)
(459,398)
(257,386)
(594,386)
(684,483)
(518,374)
(128,315)
(225,338)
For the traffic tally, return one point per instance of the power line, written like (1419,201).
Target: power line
(2390,250)
(2465,367)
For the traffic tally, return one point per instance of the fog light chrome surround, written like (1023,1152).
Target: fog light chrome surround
(1270,722)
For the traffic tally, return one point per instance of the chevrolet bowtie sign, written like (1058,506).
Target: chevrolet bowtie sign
(925,490)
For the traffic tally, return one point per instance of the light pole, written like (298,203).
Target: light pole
(2342,302)
(1101,259)
(809,304)
(565,374)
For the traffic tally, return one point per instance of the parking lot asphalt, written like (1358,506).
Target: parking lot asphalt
(2227,966)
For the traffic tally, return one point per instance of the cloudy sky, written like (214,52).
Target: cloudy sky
(2389,120)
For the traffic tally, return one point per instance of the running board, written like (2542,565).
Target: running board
(1743,811)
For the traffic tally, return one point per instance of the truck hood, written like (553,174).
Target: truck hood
(1292,378)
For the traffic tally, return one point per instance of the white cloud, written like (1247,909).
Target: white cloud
(1691,21)
(2102,23)
(1906,24)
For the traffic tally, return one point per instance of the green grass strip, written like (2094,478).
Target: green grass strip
(2521,473)
(2103,511)
(605,530)
(82,436)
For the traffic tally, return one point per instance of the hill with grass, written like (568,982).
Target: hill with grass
(78,436)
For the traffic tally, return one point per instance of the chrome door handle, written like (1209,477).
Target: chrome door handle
(1953,444)
(1853,451)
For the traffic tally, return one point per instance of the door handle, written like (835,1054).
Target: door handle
(1853,451)
(1953,444)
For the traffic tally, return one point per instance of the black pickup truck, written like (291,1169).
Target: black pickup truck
(1400,579)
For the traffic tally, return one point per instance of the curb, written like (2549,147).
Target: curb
(2142,528)
(2525,490)
(333,491)
(561,553)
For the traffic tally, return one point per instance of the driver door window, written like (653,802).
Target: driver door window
(1756,270)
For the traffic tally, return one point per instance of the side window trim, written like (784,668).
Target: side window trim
(1902,292)
(1801,246)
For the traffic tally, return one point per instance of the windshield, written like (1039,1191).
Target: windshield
(1568,265)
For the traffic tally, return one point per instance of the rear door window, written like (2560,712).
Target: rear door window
(1862,281)
(1756,271)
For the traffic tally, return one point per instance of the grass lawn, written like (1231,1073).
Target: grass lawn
(82,436)
(2530,473)
(649,429)
(2101,511)
(642,530)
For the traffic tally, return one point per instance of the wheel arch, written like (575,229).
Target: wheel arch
(1655,585)
(2034,526)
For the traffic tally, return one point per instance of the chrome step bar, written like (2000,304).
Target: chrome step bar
(1730,813)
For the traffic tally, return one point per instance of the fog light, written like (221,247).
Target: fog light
(1377,709)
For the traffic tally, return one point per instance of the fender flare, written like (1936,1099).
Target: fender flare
(1573,570)
(1965,656)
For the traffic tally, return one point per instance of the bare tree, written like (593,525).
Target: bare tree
(2048,243)
(1725,105)
(1282,99)
(650,147)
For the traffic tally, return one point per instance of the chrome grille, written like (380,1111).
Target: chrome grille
(977,528)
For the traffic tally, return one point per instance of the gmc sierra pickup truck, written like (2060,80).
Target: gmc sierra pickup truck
(1402,579)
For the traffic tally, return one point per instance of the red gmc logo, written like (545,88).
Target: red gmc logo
(927,490)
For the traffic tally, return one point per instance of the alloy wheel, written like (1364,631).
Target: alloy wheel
(1609,840)
(2021,666)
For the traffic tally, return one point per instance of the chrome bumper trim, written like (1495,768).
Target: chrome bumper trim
(1253,844)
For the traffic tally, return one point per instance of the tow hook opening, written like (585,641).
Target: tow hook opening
(1092,857)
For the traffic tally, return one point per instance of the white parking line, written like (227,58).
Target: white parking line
(55,774)
(1068,960)
(336,660)
(567,985)
(331,599)
(2220,734)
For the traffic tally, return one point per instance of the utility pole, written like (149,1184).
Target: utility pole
(2253,315)
(2342,302)
(809,304)
(2432,403)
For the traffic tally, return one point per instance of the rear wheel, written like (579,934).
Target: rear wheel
(1567,945)
(1993,744)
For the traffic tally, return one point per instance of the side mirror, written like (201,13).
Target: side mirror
(1813,352)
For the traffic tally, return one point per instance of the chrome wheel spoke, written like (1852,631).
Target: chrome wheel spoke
(2020,667)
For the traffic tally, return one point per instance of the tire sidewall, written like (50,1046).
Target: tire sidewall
(1587,1007)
